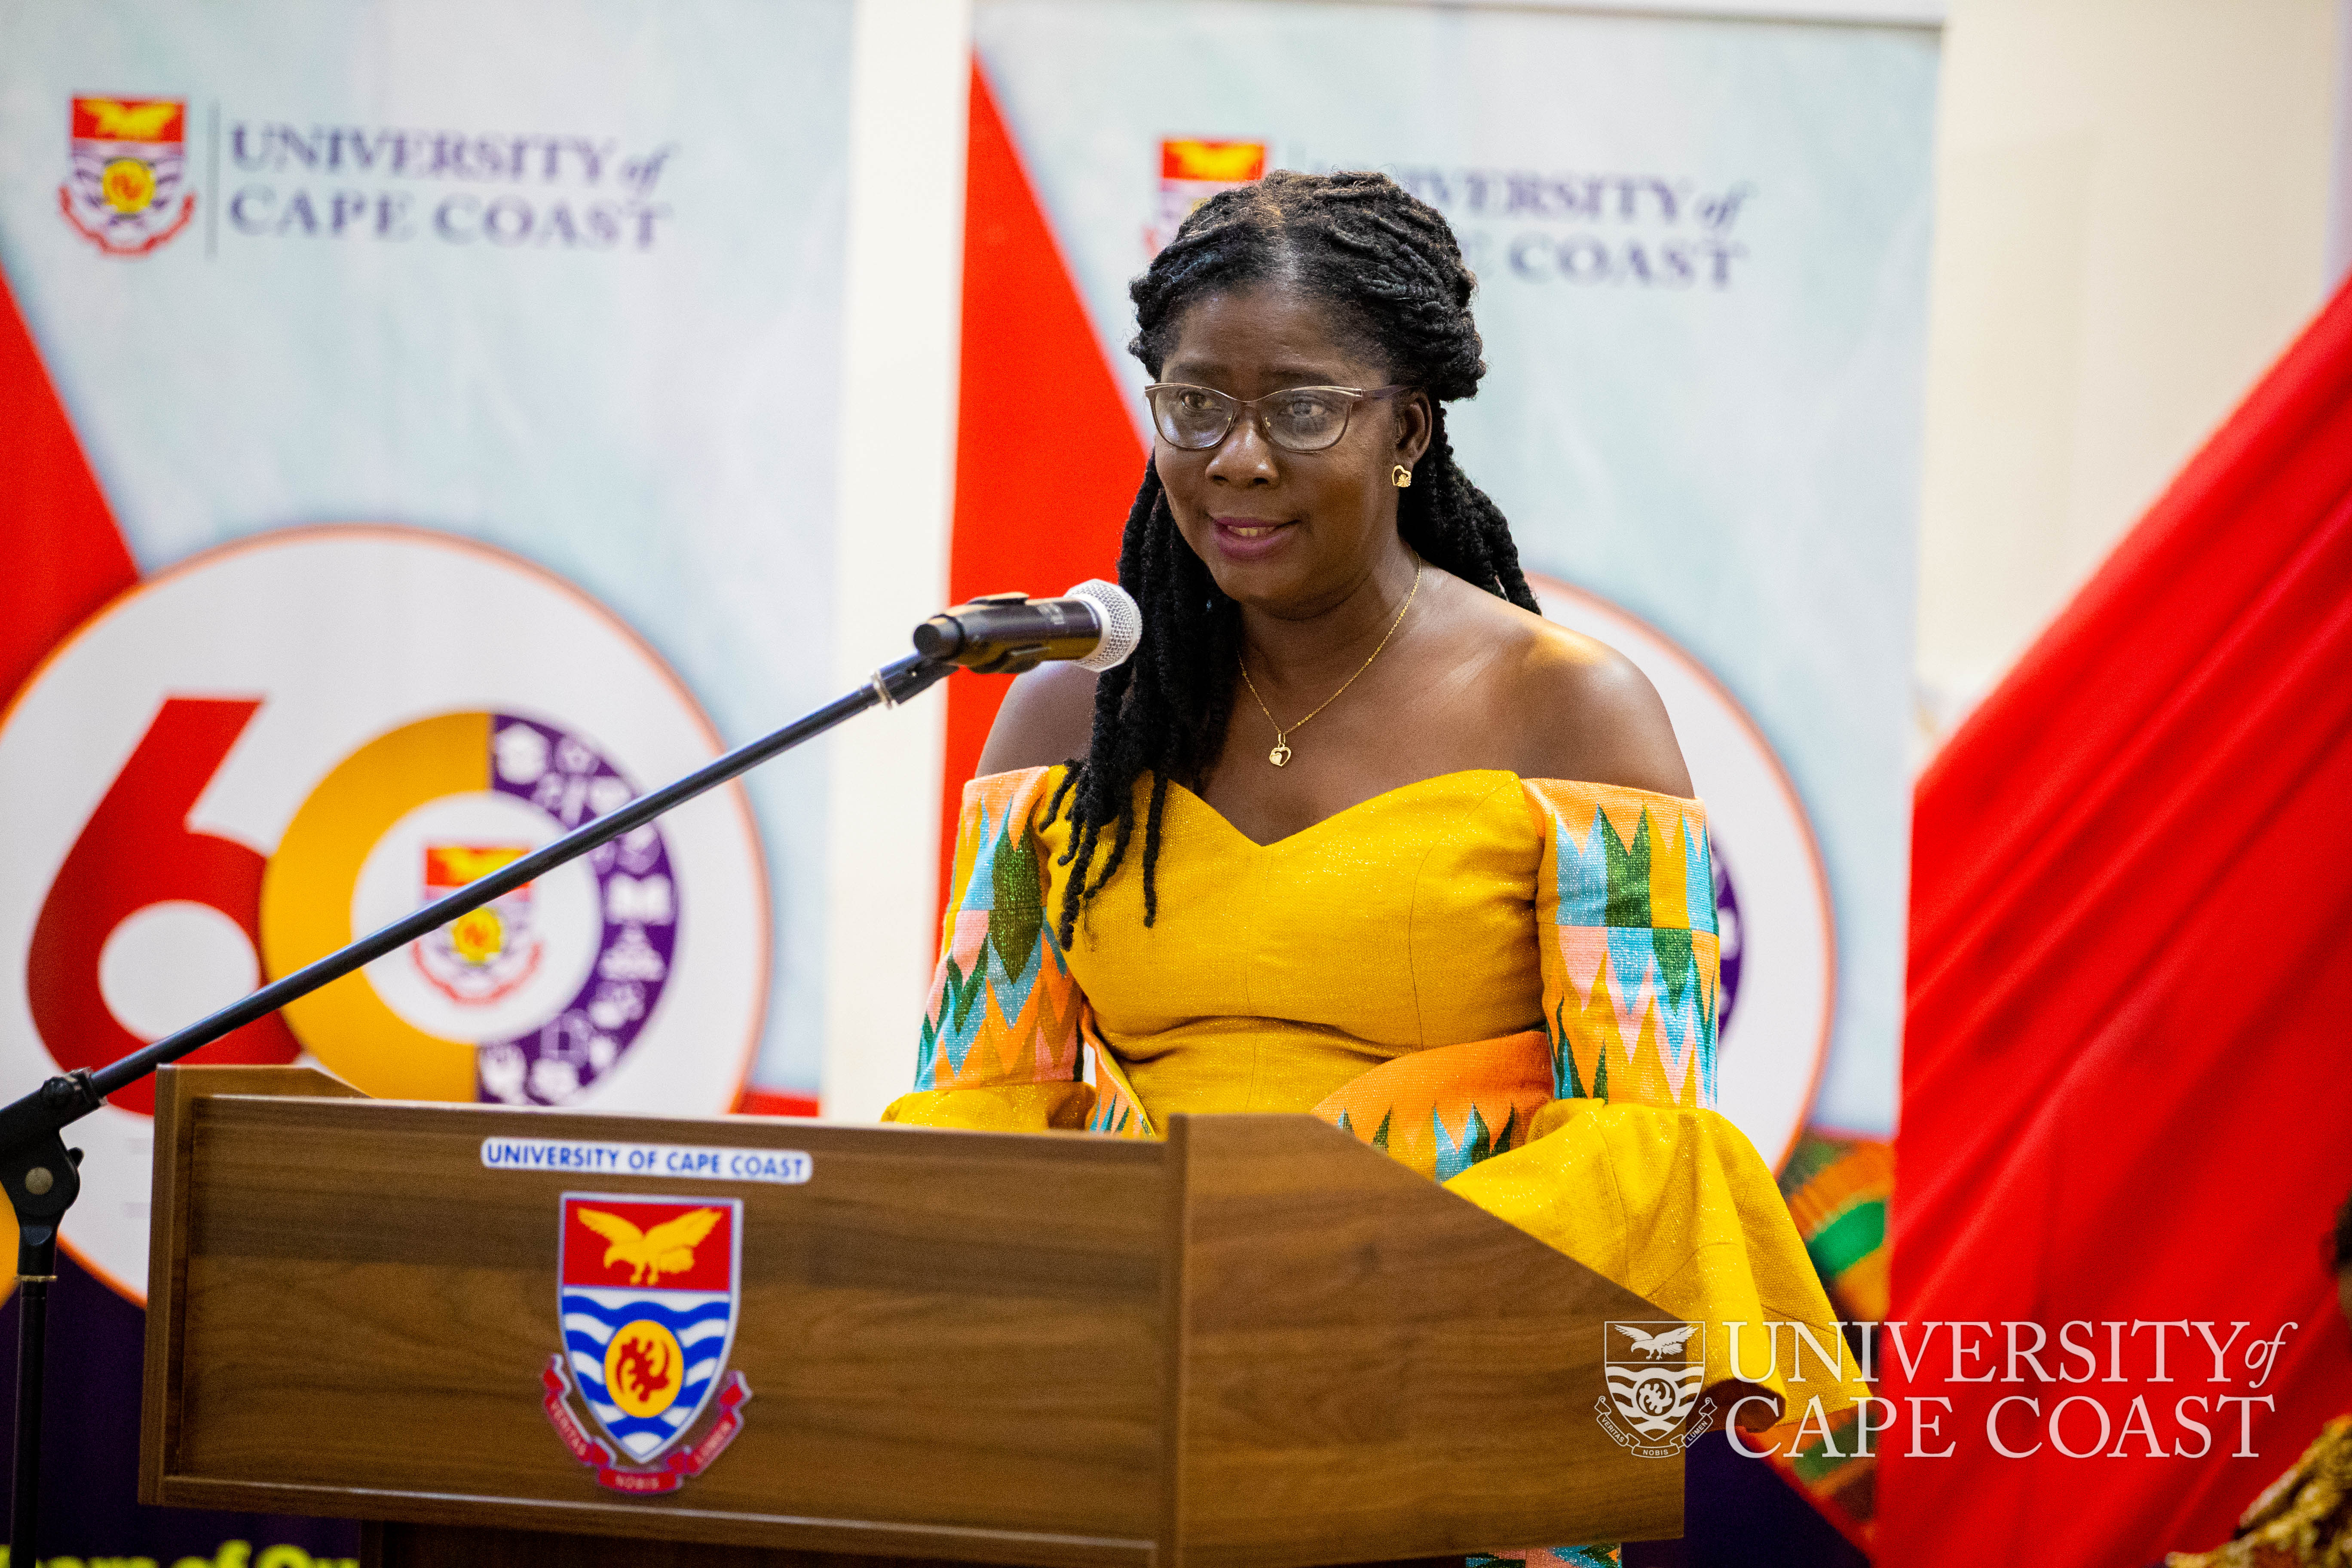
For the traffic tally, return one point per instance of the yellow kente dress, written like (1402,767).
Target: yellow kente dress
(1506,984)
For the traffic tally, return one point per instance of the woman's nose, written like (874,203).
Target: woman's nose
(1244,456)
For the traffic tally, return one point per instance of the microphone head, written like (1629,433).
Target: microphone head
(1122,623)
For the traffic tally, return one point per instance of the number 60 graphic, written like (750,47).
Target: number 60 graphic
(137,850)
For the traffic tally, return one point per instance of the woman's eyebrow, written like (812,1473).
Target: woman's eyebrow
(1294,375)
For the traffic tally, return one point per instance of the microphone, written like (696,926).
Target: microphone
(1097,624)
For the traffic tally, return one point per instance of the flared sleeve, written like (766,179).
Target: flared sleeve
(1000,1034)
(1630,1170)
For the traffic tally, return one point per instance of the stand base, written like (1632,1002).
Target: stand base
(463,1546)
(31,1355)
(392,1545)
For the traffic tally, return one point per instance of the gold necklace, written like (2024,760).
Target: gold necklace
(1280,756)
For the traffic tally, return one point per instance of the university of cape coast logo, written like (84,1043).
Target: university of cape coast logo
(127,172)
(1655,1369)
(547,989)
(646,1302)
(280,745)
(483,955)
(1191,170)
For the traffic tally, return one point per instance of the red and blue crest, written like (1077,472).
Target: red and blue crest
(648,1293)
(127,172)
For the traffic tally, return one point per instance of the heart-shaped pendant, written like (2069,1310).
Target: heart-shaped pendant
(1280,754)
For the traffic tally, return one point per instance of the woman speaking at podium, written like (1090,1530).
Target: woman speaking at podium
(1357,832)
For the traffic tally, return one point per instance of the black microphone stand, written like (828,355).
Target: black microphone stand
(42,1175)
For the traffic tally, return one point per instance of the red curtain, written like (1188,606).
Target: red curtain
(2127,1087)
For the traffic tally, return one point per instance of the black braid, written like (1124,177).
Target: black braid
(1389,265)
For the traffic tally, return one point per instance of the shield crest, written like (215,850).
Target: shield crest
(1654,1370)
(482,955)
(125,190)
(1192,170)
(648,1291)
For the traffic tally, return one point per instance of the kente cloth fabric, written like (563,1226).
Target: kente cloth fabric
(1837,1188)
(1549,1557)
(1507,984)
(1465,907)
(2302,1519)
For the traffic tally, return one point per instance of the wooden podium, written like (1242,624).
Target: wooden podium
(1256,1345)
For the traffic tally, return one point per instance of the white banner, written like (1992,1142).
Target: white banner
(462,381)
(1702,253)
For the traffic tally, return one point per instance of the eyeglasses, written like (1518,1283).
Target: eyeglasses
(1296,418)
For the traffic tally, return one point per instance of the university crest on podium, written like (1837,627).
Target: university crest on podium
(648,1292)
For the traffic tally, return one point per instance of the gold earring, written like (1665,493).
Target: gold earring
(1401,477)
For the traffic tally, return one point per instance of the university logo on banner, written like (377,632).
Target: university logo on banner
(1191,170)
(482,955)
(270,750)
(646,1302)
(125,189)
(1654,1370)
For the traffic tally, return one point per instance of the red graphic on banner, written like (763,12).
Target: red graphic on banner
(137,849)
(1024,329)
(149,119)
(1191,170)
(65,557)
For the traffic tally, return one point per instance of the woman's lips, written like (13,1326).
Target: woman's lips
(1249,537)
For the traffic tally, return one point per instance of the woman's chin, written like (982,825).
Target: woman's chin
(1267,584)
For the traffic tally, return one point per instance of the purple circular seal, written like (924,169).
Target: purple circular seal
(1728,940)
(573,783)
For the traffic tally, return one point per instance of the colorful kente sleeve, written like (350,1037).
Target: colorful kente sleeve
(1630,1171)
(1625,916)
(1000,1038)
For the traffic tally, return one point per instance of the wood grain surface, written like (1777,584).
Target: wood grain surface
(1371,1367)
(1257,1345)
(950,1339)
(167,1225)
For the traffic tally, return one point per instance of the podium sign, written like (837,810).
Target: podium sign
(1256,1344)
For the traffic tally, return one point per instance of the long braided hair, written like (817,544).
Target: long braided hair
(1391,270)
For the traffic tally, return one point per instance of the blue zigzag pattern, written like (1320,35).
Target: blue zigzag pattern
(701,1330)
(1685,1006)
(963,1002)
(1607,882)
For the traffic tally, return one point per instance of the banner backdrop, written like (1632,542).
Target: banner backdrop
(461,382)
(1702,253)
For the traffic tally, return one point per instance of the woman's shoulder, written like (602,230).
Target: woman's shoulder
(1048,716)
(1574,707)
(1558,705)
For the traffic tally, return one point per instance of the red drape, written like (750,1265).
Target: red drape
(2127,1086)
